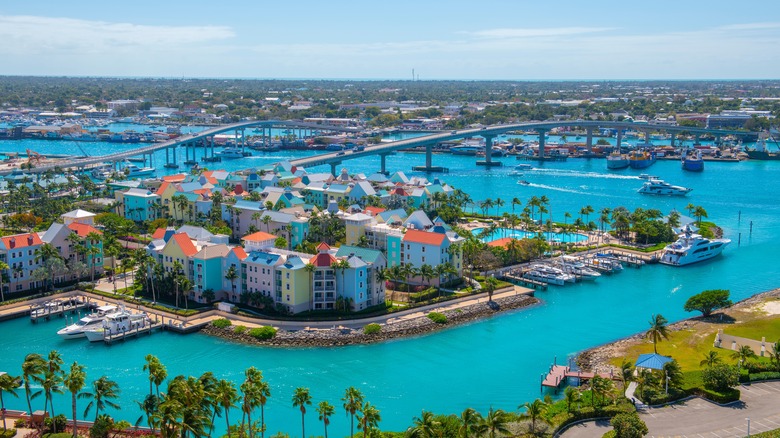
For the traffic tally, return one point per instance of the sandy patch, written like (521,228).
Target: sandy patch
(771,308)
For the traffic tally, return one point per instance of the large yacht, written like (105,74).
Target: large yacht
(659,187)
(91,321)
(233,153)
(692,248)
(131,170)
(117,322)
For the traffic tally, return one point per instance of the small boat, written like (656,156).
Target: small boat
(609,260)
(233,153)
(551,270)
(91,321)
(49,307)
(524,167)
(647,176)
(572,265)
(692,248)
(523,182)
(659,187)
(118,322)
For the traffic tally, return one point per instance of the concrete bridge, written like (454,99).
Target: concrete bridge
(489,133)
(335,158)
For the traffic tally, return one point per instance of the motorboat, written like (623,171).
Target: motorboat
(647,176)
(573,265)
(118,322)
(131,170)
(91,321)
(553,271)
(544,277)
(47,308)
(607,261)
(616,161)
(523,182)
(233,153)
(659,187)
(524,167)
(692,248)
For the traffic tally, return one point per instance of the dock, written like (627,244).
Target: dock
(109,339)
(517,278)
(557,375)
(58,308)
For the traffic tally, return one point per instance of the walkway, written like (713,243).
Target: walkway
(702,419)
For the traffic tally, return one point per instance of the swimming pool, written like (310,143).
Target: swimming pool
(501,233)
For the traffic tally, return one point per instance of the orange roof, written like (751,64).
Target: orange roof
(175,178)
(211,179)
(83,229)
(184,242)
(374,210)
(323,247)
(503,242)
(202,191)
(259,236)
(22,240)
(158,233)
(162,187)
(322,260)
(424,237)
(240,253)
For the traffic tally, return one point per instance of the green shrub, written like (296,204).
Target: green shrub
(263,333)
(768,434)
(628,425)
(20,422)
(239,329)
(438,318)
(372,329)
(723,396)
(720,377)
(759,367)
(766,375)
(102,427)
(56,424)
(8,433)
(221,323)
(425,295)
(610,434)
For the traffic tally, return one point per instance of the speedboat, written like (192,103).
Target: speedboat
(647,176)
(118,322)
(89,322)
(233,153)
(524,167)
(607,261)
(573,265)
(659,187)
(523,182)
(691,248)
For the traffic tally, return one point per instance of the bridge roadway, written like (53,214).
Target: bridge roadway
(490,132)
(384,149)
(189,138)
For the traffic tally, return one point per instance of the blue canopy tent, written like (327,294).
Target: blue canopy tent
(652,361)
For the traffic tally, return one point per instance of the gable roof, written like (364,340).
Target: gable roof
(239,252)
(158,233)
(322,260)
(78,213)
(424,237)
(21,240)
(365,254)
(213,251)
(259,236)
(53,231)
(186,245)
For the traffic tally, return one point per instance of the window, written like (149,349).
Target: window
(423,249)
(361,286)
(361,273)
(288,297)
(423,259)
(288,288)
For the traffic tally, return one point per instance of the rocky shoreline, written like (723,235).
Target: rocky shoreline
(403,329)
(597,359)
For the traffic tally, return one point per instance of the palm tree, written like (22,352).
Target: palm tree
(427,272)
(52,377)
(300,399)
(469,422)
(699,212)
(658,330)
(3,267)
(157,372)
(425,426)
(626,372)
(150,365)
(105,390)
(226,396)
(8,384)
(75,381)
(534,411)
(353,401)
(495,423)
(490,286)
(571,395)
(711,359)
(33,365)
(369,420)
(231,275)
(325,410)
(743,354)
(256,217)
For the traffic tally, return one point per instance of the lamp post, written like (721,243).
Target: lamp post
(748,421)
(666,381)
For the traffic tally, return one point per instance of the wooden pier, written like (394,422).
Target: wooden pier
(517,277)
(57,308)
(137,331)
(559,374)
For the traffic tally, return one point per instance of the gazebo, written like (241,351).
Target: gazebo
(653,361)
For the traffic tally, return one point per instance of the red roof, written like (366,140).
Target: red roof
(186,245)
(158,233)
(503,242)
(239,252)
(162,187)
(323,247)
(399,191)
(424,237)
(259,236)
(83,229)
(175,178)
(374,210)
(22,240)
(322,260)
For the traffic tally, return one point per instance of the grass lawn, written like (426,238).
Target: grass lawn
(689,345)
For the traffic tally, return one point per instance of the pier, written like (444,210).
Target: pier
(516,276)
(557,375)
(58,308)
(137,331)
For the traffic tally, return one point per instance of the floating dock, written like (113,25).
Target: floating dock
(57,308)
(109,339)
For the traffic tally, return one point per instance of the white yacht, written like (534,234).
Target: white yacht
(544,277)
(131,170)
(659,187)
(552,270)
(117,322)
(233,153)
(91,321)
(692,248)
(573,265)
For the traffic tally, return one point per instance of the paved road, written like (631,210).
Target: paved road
(702,419)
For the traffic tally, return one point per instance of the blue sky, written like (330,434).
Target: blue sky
(454,39)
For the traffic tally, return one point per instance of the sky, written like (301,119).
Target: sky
(339,39)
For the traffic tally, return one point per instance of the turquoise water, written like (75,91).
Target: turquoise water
(501,233)
(496,362)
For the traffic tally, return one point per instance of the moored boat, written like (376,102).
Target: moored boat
(616,161)
(693,161)
(115,323)
(692,248)
(641,159)
(88,322)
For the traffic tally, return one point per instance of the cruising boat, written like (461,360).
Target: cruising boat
(233,153)
(572,265)
(89,322)
(553,271)
(693,162)
(544,277)
(647,176)
(659,187)
(640,159)
(524,167)
(616,161)
(117,322)
(692,248)
(131,170)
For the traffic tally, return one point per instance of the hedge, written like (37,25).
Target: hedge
(221,323)
(425,295)
(767,375)
(239,329)
(768,434)
(438,318)
(263,333)
(760,367)
(372,329)
(725,396)
(586,413)
(8,433)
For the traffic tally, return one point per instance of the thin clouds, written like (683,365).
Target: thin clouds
(535,32)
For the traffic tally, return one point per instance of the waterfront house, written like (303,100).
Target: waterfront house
(74,243)
(233,288)
(293,285)
(138,204)
(258,274)
(19,252)
(207,273)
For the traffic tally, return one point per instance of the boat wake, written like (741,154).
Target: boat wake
(558,189)
(577,174)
